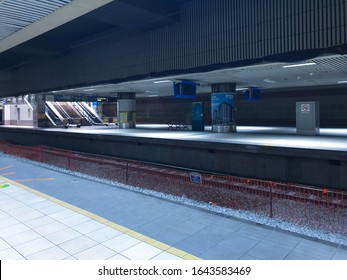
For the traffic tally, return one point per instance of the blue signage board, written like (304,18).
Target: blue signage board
(195,177)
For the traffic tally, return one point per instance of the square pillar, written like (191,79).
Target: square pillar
(307,118)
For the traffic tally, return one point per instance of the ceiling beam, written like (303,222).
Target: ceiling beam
(59,17)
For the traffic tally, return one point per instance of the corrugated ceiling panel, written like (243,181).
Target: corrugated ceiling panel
(17,14)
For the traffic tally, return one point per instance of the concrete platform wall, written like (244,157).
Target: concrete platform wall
(319,168)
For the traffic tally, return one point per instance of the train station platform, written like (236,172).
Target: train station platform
(48,214)
(268,153)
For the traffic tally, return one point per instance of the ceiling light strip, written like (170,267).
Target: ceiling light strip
(300,65)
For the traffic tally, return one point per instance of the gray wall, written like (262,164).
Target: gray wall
(209,34)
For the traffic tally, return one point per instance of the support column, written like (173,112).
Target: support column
(126,110)
(307,118)
(223,107)
(40,111)
(32,100)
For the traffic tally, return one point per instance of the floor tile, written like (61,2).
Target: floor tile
(103,234)
(170,236)
(11,206)
(190,227)
(118,257)
(269,251)
(78,245)
(34,246)
(340,254)
(166,256)
(62,236)
(248,257)
(70,258)
(219,252)
(195,244)
(22,237)
(284,239)
(238,243)
(3,215)
(62,214)
(121,243)
(214,233)
(53,253)
(10,254)
(52,209)
(88,226)
(141,251)
(13,229)
(30,215)
(3,244)
(50,228)
(295,255)
(7,222)
(42,204)
(38,222)
(98,252)
(26,196)
(34,200)
(20,211)
(205,218)
(315,249)
(152,228)
(229,224)
(256,232)
(74,220)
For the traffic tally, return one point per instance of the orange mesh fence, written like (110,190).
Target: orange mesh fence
(313,207)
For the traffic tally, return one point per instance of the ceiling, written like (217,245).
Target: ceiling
(55,30)
(87,21)
(324,71)
(17,14)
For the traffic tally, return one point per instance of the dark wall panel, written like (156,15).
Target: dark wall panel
(271,109)
(209,33)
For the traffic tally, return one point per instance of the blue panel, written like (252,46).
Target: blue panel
(185,89)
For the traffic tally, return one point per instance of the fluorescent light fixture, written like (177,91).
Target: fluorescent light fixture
(163,81)
(300,65)
(153,95)
(241,89)
(89,89)
(270,81)
(342,82)
(152,91)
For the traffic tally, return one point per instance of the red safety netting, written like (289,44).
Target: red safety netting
(319,208)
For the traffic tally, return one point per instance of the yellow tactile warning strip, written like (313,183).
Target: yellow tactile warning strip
(162,246)
(34,179)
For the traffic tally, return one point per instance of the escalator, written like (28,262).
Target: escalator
(52,116)
(71,114)
(58,115)
(88,113)
(74,116)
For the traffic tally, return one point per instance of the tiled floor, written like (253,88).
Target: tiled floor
(74,218)
(32,227)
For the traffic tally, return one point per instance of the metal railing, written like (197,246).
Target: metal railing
(318,208)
